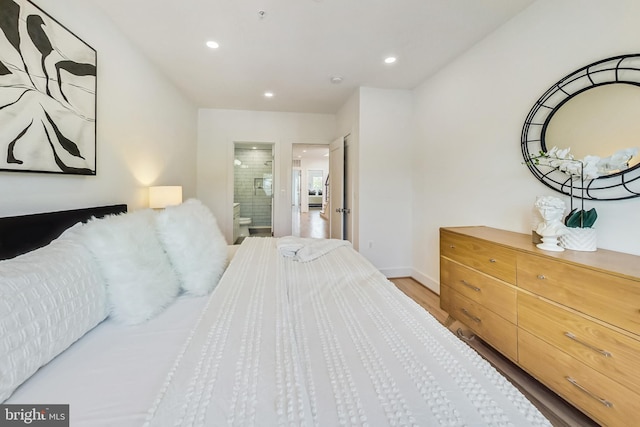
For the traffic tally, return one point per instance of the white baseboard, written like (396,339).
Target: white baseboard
(391,273)
(427,281)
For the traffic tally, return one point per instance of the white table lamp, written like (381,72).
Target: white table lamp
(162,196)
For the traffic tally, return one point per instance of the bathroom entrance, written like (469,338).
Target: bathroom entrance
(252,190)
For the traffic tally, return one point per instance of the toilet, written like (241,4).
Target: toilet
(244,226)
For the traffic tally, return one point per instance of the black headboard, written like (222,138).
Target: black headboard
(21,234)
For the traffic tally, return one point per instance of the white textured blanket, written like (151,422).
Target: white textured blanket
(323,343)
(305,249)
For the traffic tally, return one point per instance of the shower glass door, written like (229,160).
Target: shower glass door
(253,185)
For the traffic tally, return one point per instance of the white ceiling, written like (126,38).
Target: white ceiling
(299,45)
(316,152)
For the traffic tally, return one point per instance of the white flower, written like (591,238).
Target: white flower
(617,161)
(590,167)
(564,154)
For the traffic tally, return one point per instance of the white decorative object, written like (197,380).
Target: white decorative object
(139,276)
(579,239)
(536,220)
(196,247)
(551,209)
(49,298)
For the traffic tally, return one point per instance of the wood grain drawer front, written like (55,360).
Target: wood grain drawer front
(494,260)
(611,353)
(605,400)
(612,299)
(485,290)
(495,330)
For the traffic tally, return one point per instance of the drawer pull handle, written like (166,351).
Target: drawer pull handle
(589,346)
(469,285)
(541,276)
(492,260)
(599,399)
(452,246)
(460,334)
(470,316)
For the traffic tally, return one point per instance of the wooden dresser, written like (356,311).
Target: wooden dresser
(570,319)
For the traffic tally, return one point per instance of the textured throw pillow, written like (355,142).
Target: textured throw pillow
(48,299)
(140,280)
(197,249)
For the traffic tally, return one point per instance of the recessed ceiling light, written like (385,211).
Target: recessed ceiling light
(268,94)
(336,80)
(213,45)
(390,59)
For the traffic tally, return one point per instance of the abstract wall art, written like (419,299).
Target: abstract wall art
(47,94)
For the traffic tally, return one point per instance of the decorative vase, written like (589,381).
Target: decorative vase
(579,239)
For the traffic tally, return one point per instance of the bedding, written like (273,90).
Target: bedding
(139,279)
(49,298)
(195,245)
(328,342)
(323,339)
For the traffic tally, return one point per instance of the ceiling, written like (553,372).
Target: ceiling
(296,46)
(310,152)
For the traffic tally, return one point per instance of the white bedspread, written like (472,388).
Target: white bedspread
(305,249)
(111,376)
(325,343)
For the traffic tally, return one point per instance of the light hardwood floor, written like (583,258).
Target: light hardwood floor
(559,412)
(309,224)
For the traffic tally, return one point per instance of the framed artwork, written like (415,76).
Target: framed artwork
(47,94)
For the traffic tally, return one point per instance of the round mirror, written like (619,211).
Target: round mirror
(592,111)
(597,122)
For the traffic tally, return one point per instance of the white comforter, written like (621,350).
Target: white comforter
(327,342)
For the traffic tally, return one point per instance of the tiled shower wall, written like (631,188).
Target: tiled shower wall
(254,172)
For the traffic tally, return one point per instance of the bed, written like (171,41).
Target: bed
(283,339)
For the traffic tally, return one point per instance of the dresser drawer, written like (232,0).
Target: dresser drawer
(485,290)
(494,260)
(605,400)
(613,299)
(495,330)
(611,353)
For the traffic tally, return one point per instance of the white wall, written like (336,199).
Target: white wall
(467,165)
(385,179)
(219,129)
(146,130)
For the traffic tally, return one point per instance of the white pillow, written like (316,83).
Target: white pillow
(140,280)
(197,249)
(48,299)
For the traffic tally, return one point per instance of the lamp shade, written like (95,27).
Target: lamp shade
(163,196)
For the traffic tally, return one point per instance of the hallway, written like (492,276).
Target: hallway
(309,224)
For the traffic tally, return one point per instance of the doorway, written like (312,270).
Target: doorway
(310,168)
(252,190)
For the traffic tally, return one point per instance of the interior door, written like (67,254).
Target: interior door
(336,189)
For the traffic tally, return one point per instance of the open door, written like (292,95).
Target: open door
(336,190)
